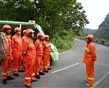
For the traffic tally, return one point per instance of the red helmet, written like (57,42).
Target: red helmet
(24,31)
(46,36)
(28,31)
(89,36)
(17,29)
(39,35)
(6,27)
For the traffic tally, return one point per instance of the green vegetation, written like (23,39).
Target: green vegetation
(64,42)
(90,31)
(66,16)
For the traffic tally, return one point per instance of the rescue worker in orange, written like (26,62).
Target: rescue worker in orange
(17,51)
(46,53)
(39,54)
(29,51)
(23,39)
(90,57)
(6,63)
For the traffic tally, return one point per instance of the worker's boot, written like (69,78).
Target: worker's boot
(38,76)
(41,73)
(49,68)
(4,81)
(16,75)
(46,71)
(28,86)
(10,78)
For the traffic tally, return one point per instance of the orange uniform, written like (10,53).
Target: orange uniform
(7,62)
(46,55)
(29,51)
(23,56)
(17,53)
(39,53)
(90,57)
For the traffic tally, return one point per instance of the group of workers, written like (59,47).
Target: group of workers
(35,56)
(24,52)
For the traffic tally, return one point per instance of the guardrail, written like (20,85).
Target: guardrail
(102,42)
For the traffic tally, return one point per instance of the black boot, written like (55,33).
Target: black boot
(16,75)
(41,73)
(28,86)
(10,78)
(46,71)
(38,76)
(49,68)
(21,71)
(4,81)
(34,80)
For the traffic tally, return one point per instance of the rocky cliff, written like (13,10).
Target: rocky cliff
(103,30)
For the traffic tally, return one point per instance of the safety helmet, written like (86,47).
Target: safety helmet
(28,31)
(24,31)
(39,35)
(17,29)
(46,36)
(6,26)
(89,36)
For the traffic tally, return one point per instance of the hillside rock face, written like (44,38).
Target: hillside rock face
(103,30)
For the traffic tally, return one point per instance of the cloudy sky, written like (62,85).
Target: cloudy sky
(96,11)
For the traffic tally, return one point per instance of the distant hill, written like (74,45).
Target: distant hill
(103,30)
(90,31)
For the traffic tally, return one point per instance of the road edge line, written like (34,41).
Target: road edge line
(100,80)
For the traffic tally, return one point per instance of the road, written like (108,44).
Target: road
(69,71)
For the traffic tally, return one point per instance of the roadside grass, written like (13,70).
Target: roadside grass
(63,41)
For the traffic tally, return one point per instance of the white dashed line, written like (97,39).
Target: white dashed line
(65,68)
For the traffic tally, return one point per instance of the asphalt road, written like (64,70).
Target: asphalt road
(69,71)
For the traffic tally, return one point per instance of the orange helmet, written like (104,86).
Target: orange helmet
(6,27)
(39,35)
(89,36)
(28,31)
(17,29)
(46,36)
(24,31)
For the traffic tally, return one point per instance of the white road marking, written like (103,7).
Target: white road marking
(65,68)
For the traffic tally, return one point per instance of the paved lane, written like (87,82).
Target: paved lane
(69,71)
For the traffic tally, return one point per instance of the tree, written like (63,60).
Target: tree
(50,14)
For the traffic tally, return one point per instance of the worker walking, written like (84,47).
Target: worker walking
(39,54)
(17,51)
(30,53)
(6,62)
(90,57)
(46,53)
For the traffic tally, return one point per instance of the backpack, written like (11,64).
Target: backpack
(3,45)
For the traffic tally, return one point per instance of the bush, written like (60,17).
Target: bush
(63,41)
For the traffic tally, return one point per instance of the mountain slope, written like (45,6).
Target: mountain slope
(90,31)
(103,30)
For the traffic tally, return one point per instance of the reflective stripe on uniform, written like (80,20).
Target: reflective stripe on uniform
(15,69)
(45,66)
(33,74)
(8,71)
(27,78)
(89,78)
(41,67)
(24,52)
(31,45)
(19,66)
(4,73)
(87,49)
(95,58)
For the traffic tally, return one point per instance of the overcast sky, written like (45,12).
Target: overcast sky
(96,11)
